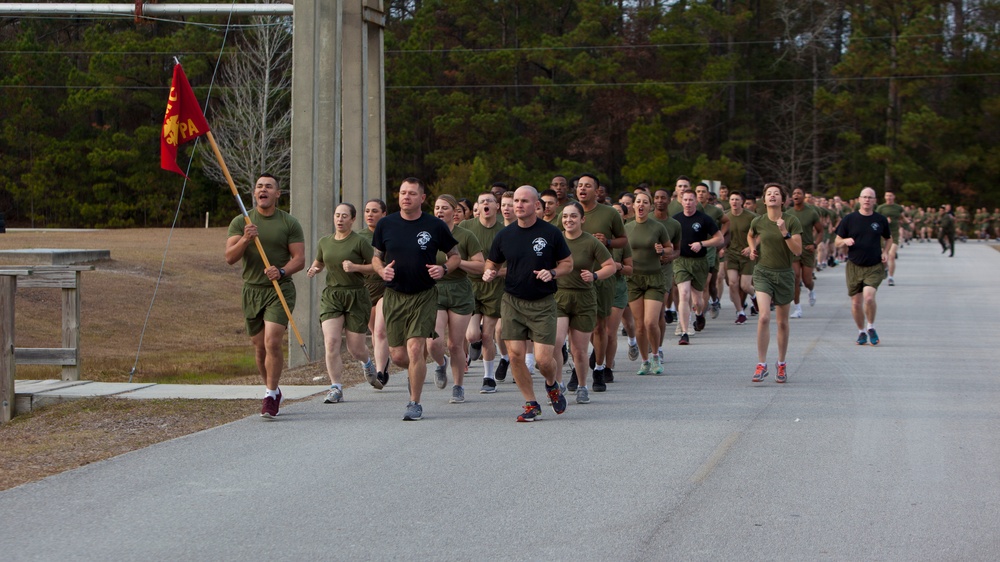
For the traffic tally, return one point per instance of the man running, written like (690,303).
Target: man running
(698,233)
(865,234)
(535,254)
(805,263)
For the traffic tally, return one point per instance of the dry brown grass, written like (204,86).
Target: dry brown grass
(195,335)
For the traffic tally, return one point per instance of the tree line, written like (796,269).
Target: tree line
(827,95)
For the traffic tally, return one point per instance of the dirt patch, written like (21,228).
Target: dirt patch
(195,335)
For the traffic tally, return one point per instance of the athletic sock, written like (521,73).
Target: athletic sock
(505,358)
(337,385)
(631,341)
(272,393)
(599,367)
(488,369)
(871,326)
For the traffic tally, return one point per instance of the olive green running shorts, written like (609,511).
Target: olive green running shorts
(528,320)
(409,316)
(351,302)
(262,304)
(859,277)
(580,306)
(779,283)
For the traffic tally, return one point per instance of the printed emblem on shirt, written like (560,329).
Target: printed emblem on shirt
(875,226)
(696,227)
(538,244)
(423,238)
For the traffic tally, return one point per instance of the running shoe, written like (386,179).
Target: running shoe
(677,330)
(269,408)
(565,352)
(741,318)
(892,282)
(370,375)
(753,306)
(873,336)
(457,395)
(383,378)
(609,375)
(593,359)
(599,383)
(335,395)
(501,373)
(532,412)
(657,366)
(573,381)
(489,386)
(796,312)
(557,398)
(624,332)
(277,401)
(699,322)
(812,295)
(414,412)
(633,352)
(716,307)
(645,368)
(685,340)
(659,353)
(475,351)
(862,338)
(760,374)
(781,376)
(582,395)
(668,315)
(441,375)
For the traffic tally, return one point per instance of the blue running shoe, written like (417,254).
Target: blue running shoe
(862,338)
(873,336)
(558,400)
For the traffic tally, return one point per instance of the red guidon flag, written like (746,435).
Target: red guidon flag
(182,122)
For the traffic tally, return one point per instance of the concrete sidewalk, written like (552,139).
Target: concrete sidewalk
(31,394)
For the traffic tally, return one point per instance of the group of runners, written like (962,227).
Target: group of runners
(523,280)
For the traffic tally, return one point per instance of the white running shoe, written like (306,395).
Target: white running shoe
(812,297)
(796,312)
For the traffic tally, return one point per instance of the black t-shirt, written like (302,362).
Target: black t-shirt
(866,232)
(413,245)
(696,228)
(526,250)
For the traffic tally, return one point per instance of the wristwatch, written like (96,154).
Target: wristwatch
(552,272)
(788,235)
(445,267)
(281,270)
(594,275)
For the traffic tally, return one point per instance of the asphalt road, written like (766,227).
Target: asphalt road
(868,453)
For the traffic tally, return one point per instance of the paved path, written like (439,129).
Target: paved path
(886,453)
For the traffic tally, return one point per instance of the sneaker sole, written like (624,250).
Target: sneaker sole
(269,417)
(487,391)
(328,401)
(408,418)
(780,380)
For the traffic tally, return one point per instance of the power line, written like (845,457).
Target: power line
(569,85)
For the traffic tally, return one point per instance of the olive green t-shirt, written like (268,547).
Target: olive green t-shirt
(602,219)
(275,233)
(468,246)
(773,252)
(894,213)
(715,213)
(619,255)
(588,253)
(332,253)
(642,237)
(808,218)
(739,227)
(485,235)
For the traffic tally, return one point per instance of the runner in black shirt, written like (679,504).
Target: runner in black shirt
(535,253)
(406,246)
(867,237)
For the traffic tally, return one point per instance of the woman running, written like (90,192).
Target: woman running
(576,300)
(775,238)
(649,240)
(456,302)
(345,305)
(375,210)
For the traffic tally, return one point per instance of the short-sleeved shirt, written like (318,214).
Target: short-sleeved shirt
(485,235)
(413,245)
(526,250)
(619,255)
(894,213)
(587,252)
(332,253)
(808,217)
(739,227)
(643,237)
(601,219)
(714,212)
(468,246)
(275,233)
(773,252)
(867,232)
(696,228)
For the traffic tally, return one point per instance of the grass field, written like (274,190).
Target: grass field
(195,335)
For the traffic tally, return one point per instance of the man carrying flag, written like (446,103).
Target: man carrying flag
(284,243)
(268,292)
